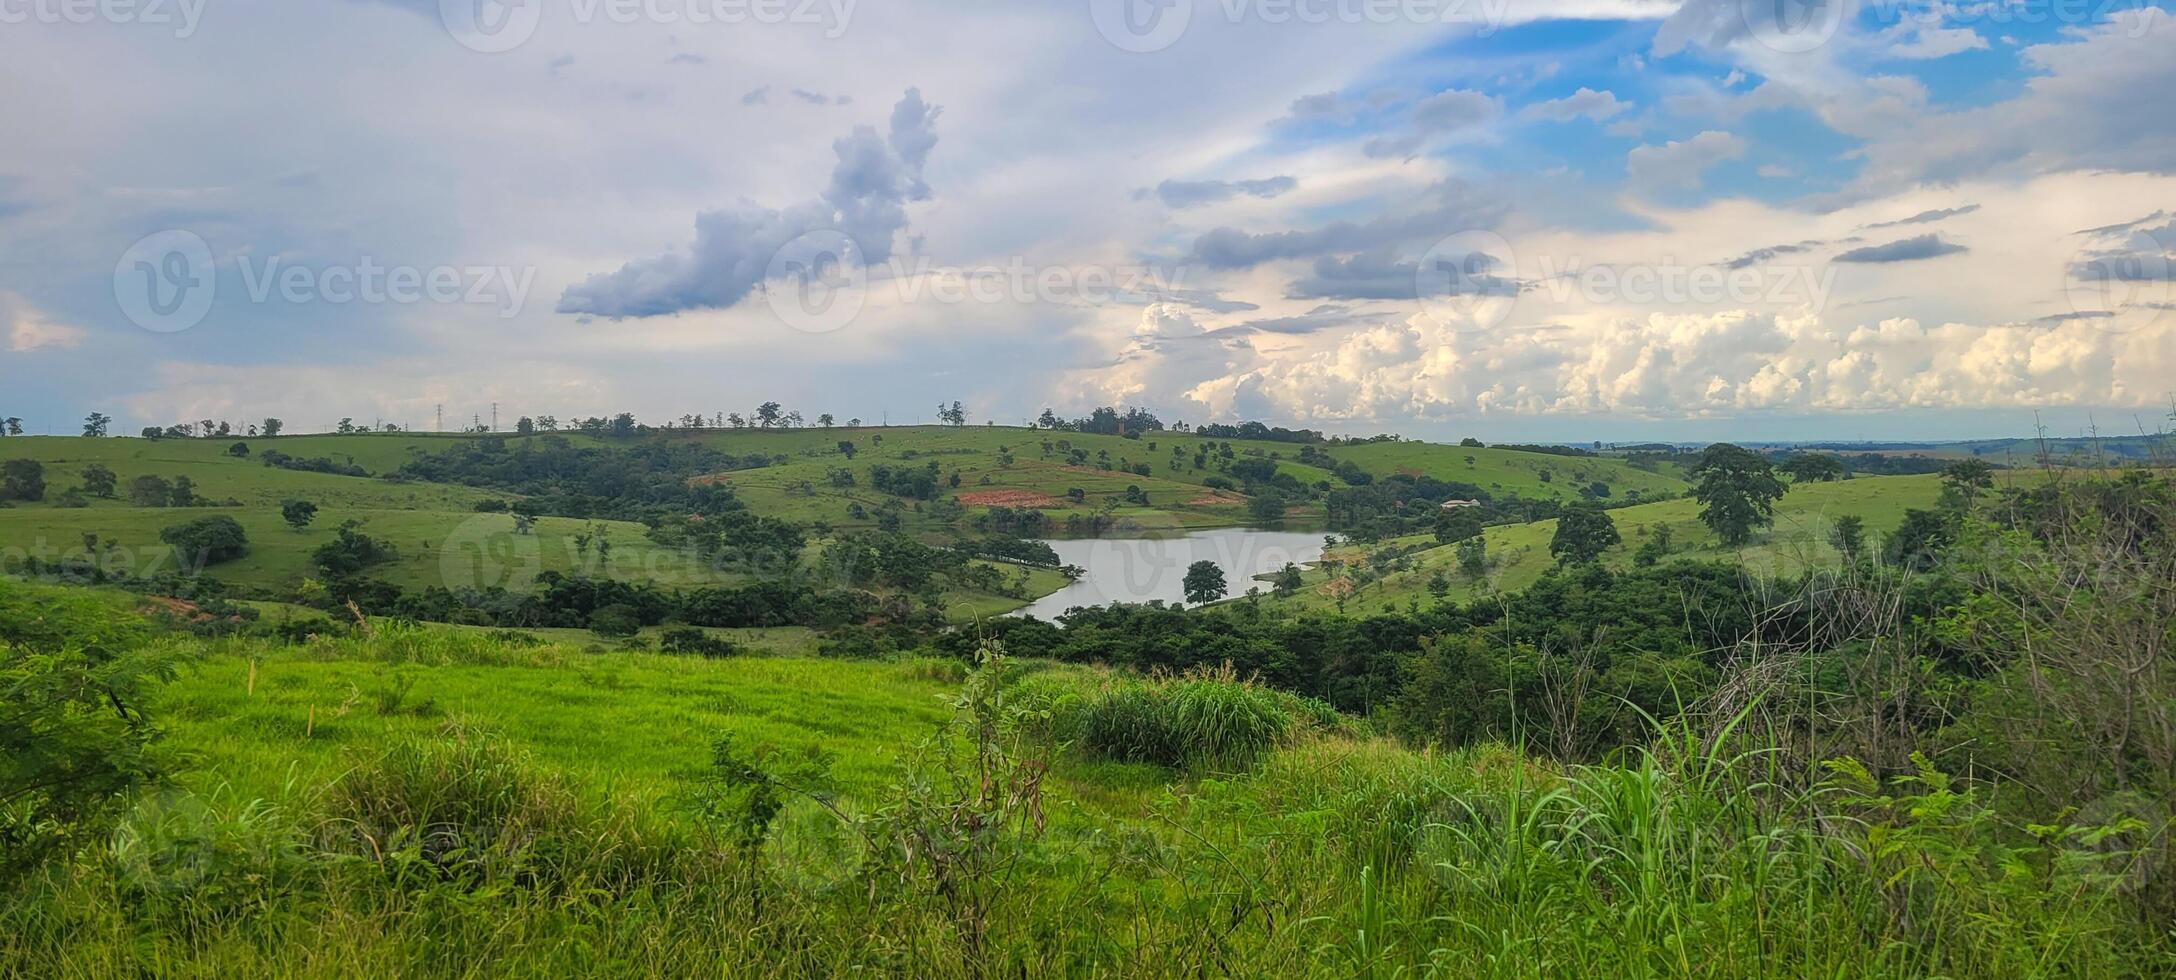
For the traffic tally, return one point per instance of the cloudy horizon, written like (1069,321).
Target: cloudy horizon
(1617,220)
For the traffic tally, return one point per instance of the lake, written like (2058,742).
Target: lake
(1142,569)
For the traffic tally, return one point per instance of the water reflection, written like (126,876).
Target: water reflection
(1142,569)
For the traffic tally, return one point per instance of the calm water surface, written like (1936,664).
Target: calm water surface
(1141,569)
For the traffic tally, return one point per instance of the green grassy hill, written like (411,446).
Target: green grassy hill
(1535,476)
(1519,553)
(443,541)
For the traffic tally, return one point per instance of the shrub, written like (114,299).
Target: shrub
(1202,720)
(463,805)
(206,541)
(688,639)
(74,740)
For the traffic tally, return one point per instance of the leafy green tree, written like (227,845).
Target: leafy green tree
(1737,490)
(184,493)
(1653,550)
(75,744)
(298,513)
(615,620)
(768,414)
(1583,532)
(526,426)
(150,491)
(94,424)
(22,479)
(206,540)
(1288,580)
(1813,467)
(1457,524)
(1848,534)
(271,427)
(1473,557)
(98,481)
(1920,539)
(1963,480)
(351,551)
(1266,508)
(1204,582)
(239,450)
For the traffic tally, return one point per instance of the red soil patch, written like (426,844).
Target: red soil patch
(1214,498)
(1009,498)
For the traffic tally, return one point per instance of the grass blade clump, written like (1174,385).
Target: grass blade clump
(1201,721)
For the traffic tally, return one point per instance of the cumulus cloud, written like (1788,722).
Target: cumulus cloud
(1190,193)
(1692,365)
(1587,103)
(27,329)
(1911,249)
(873,180)
(1681,163)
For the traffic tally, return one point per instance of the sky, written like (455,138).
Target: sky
(1512,219)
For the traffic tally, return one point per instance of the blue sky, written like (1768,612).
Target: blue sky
(1581,219)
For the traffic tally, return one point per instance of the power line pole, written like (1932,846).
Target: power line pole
(494,416)
(441,416)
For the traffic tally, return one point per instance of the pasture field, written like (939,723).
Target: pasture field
(1519,553)
(422,800)
(1534,476)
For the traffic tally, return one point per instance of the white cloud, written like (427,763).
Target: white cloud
(1681,163)
(29,330)
(1588,103)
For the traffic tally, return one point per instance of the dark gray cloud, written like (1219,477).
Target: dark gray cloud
(2079,315)
(2134,251)
(1455,207)
(1760,255)
(866,200)
(1207,299)
(1903,250)
(1380,275)
(819,98)
(1925,217)
(1189,193)
(760,95)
